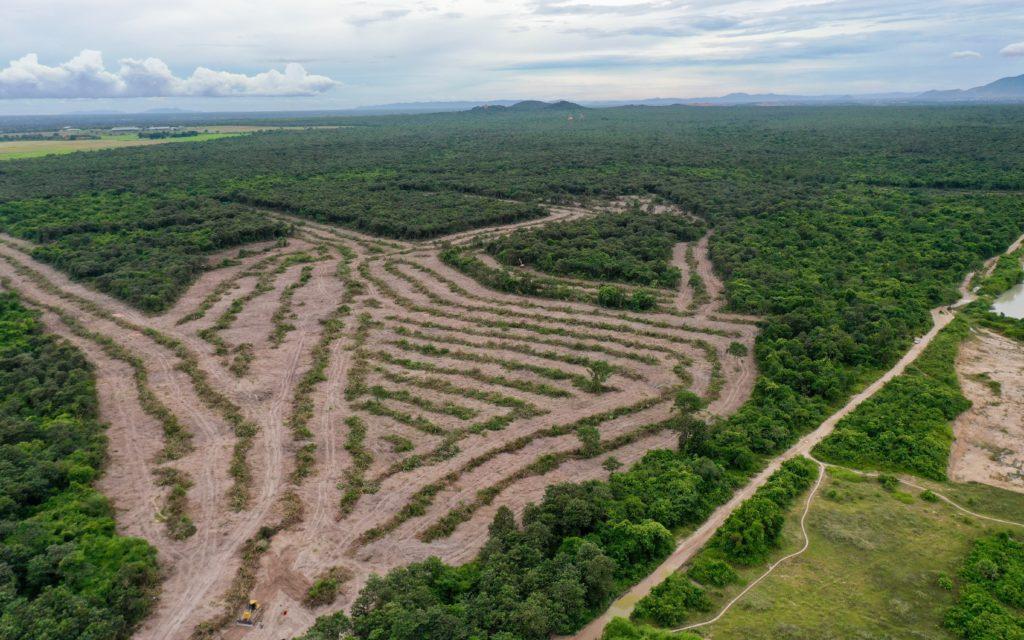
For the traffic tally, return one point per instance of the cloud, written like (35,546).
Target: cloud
(961,55)
(85,76)
(567,7)
(383,16)
(1015,50)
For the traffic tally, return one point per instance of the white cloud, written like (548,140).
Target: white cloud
(962,55)
(85,76)
(1015,50)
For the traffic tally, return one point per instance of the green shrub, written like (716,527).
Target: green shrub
(670,603)
(712,572)
(324,590)
(992,594)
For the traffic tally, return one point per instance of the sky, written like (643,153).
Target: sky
(59,56)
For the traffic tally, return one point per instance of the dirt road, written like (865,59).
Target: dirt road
(623,606)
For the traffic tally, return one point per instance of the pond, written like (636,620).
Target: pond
(1011,303)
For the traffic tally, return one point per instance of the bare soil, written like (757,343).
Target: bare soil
(416,339)
(989,446)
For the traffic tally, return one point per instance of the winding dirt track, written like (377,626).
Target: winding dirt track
(456,389)
(689,546)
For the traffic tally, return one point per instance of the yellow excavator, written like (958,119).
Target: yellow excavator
(250,615)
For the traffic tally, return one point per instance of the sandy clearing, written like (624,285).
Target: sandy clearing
(576,316)
(556,214)
(478,296)
(989,446)
(200,568)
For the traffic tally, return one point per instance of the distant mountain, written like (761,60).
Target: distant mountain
(531,105)
(168,110)
(96,112)
(1002,90)
(432,107)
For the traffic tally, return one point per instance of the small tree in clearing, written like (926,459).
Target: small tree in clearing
(600,371)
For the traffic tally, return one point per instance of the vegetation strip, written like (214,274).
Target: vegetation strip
(282,327)
(244,429)
(437,299)
(177,438)
(418,504)
(578,345)
(493,345)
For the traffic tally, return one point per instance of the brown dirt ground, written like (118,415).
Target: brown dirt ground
(200,569)
(989,446)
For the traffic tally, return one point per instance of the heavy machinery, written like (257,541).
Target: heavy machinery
(250,615)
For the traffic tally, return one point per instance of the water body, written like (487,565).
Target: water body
(1011,303)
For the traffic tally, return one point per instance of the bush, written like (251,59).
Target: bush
(992,594)
(753,530)
(324,590)
(329,627)
(611,296)
(622,629)
(670,603)
(712,572)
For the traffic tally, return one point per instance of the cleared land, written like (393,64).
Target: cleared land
(373,404)
(989,445)
(37,148)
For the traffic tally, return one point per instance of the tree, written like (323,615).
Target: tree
(600,371)
(687,401)
(611,296)
(591,439)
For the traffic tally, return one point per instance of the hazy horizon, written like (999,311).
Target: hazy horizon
(59,56)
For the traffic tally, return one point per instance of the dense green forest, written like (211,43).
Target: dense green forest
(64,572)
(144,249)
(990,602)
(633,246)
(377,202)
(905,427)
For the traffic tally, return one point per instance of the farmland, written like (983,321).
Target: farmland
(17,149)
(388,370)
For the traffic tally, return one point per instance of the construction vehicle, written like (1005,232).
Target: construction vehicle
(250,615)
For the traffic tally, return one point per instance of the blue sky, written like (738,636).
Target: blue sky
(73,55)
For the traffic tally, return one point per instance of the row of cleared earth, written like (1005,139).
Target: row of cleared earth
(371,403)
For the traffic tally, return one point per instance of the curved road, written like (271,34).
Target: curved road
(689,547)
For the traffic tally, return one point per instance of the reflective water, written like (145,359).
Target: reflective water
(1011,303)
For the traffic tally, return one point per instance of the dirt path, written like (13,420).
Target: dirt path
(475,386)
(689,546)
(806,544)
(557,214)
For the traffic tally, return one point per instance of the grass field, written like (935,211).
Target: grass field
(38,148)
(873,567)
